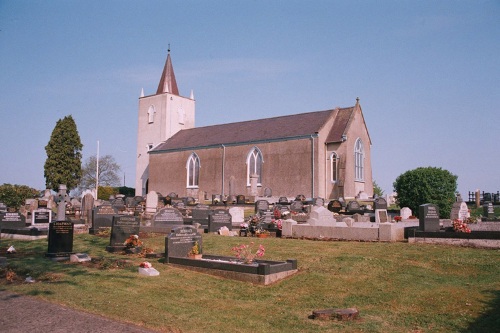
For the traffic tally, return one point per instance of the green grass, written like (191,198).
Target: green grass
(397,287)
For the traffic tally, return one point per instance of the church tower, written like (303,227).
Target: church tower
(160,116)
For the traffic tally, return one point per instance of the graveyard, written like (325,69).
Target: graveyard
(318,256)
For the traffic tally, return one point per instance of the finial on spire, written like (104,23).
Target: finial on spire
(357,100)
(168,48)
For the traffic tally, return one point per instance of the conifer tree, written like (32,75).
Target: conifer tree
(63,164)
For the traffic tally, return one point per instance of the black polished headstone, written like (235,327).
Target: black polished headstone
(240,199)
(42,216)
(60,239)
(219,218)
(335,206)
(180,241)
(123,227)
(428,217)
(102,217)
(200,214)
(12,220)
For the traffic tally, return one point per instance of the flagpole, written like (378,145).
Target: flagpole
(97,172)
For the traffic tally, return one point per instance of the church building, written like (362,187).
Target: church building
(323,154)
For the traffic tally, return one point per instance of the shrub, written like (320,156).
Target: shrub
(426,185)
(15,195)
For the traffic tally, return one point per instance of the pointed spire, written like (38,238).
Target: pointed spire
(167,81)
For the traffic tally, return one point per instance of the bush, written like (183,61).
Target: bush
(426,185)
(14,196)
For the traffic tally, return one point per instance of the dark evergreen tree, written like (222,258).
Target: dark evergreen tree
(63,164)
(426,185)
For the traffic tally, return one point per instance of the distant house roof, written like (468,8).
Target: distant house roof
(261,130)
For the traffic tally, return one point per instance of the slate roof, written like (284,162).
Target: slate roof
(340,125)
(261,130)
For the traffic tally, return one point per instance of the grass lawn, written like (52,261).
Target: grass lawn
(396,287)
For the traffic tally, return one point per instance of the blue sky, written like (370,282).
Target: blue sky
(426,72)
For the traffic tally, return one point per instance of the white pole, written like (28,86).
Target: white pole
(97,172)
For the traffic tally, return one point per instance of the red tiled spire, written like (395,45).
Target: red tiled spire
(167,81)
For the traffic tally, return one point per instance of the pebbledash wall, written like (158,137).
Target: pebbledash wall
(291,167)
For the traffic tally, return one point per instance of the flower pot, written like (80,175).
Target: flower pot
(195,256)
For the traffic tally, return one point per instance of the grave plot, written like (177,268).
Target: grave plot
(180,242)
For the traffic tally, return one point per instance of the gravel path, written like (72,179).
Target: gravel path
(27,314)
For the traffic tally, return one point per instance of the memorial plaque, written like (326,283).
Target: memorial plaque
(168,216)
(41,217)
(102,217)
(381,216)
(319,202)
(60,238)
(12,220)
(180,242)
(122,228)
(219,218)
(428,217)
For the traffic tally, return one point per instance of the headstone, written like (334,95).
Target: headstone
(200,214)
(151,202)
(119,204)
(123,227)
(267,216)
(87,206)
(168,217)
(219,218)
(296,206)
(216,199)
(3,207)
(405,213)
(237,214)
(62,198)
(460,211)
(60,239)
(321,216)
(180,241)
(240,199)
(300,197)
(102,217)
(231,199)
(268,192)
(319,202)
(335,206)
(428,217)
(283,201)
(488,210)
(353,207)
(261,205)
(381,216)
(41,217)
(380,203)
(12,220)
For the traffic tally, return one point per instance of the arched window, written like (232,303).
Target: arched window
(359,161)
(151,114)
(193,171)
(254,165)
(334,166)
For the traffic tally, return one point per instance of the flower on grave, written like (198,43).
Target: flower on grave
(460,226)
(279,223)
(246,253)
(145,264)
(132,241)
(397,218)
(254,219)
(277,213)
(244,226)
(195,249)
